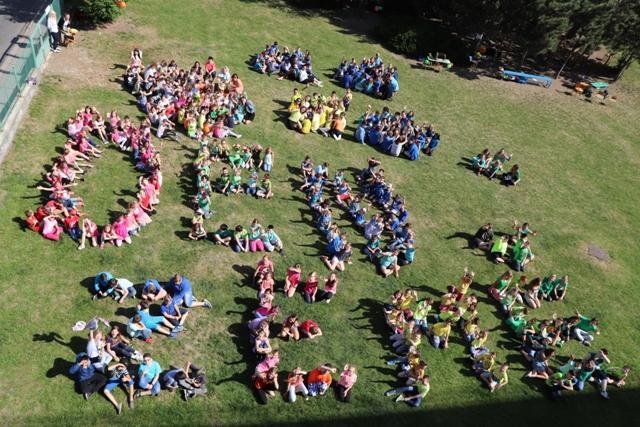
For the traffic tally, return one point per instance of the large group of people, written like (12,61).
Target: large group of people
(396,134)
(208,104)
(286,64)
(318,114)
(265,378)
(62,211)
(374,191)
(370,76)
(111,360)
(204,101)
(539,338)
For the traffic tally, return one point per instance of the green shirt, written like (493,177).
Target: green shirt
(422,389)
(585,324)
(236,180)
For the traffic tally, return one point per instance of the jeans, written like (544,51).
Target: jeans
(307,297)
(300,388)
(142,334)
(582,336)
(144,382)
(436,341)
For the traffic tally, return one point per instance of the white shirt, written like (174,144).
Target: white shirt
(52,25)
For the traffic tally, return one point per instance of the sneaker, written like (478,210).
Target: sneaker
(282,253)
(87,396)
(206,303)
(131,404)
(94,297)
(149,340)
(604,394)
(81,247)
(137,394)
(400,398)
(185,394)
(178,328)
(387,393)
(119,408)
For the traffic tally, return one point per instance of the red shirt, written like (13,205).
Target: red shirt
(310,287)
(307,325)
(33,223)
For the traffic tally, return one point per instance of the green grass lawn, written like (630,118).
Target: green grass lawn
(579,188)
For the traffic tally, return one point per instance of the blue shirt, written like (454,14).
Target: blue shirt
(153,282)
(82,374)
(149,371)
(179,291)
(103,285)
(170,309)
(414,152)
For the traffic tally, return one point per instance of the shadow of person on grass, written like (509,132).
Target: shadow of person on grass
(240,336)
(76,343)
(247,274)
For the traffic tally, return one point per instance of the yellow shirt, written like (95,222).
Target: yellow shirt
(441,329)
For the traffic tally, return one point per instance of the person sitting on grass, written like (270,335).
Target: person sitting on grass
(512,177)
(310,288)
(117,345)
(122,289)
(101,285)
(180,289)
(222,236)
(319,379)
(148,377)
(295,384)
(266,384)
(172,312)
(496,381)
(413,395)
(439,334)
(290,328)
(153,291)
(119,375)
(388,262)
(338,259)
(292,280)
(197,231)
(89,381)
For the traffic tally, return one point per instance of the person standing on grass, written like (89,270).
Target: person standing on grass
(54,31)
(148,377)
(89,381)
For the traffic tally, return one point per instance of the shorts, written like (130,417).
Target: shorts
(113,384)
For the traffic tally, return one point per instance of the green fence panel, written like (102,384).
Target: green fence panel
(31,57)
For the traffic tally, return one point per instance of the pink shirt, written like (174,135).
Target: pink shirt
(347,379)
(268,363)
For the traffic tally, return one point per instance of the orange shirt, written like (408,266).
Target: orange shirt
(316,376)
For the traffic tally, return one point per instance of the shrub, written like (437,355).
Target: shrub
(98,12)
(405,42)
